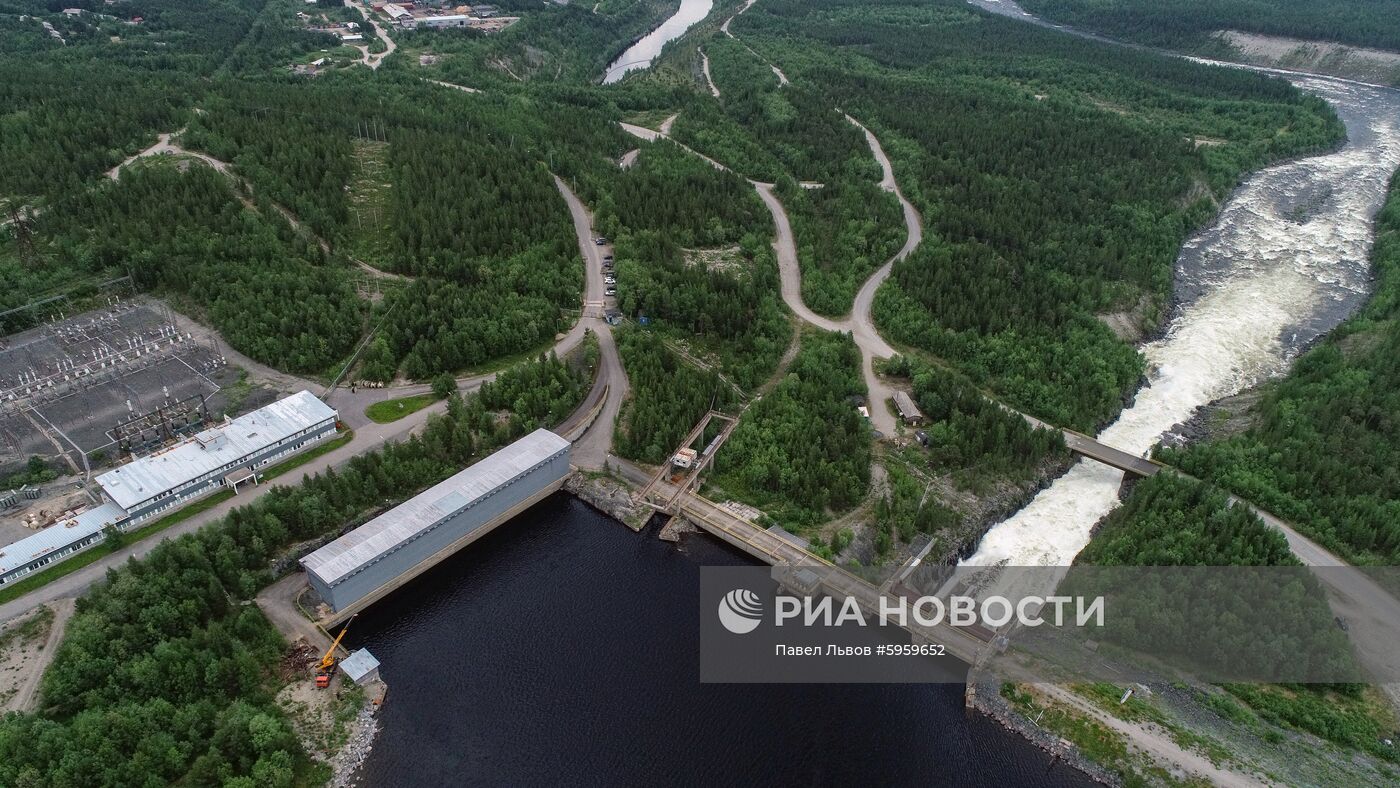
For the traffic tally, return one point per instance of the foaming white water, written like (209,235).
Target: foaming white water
(1286,260)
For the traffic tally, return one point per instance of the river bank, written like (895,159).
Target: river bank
(1285,261)
(644,51)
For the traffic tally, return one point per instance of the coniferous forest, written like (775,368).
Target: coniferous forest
(303,217)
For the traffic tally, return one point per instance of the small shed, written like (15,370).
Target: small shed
(361,667)
(908,412)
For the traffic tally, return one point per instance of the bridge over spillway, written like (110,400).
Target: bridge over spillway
(1127,462)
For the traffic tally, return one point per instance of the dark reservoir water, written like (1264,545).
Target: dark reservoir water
(563,649)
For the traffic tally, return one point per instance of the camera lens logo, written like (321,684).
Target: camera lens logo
(740,611)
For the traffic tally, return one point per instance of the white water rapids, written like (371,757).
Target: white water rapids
(1285,261)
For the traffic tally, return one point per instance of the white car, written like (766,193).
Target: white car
(611,291)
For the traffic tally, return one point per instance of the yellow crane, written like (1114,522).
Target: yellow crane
(326,669)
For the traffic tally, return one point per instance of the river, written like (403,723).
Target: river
(641,54)
(1286,260)
(564,648)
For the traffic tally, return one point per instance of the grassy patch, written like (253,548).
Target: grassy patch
(1348,717)
(30,629)
(395,409)
(1138,709)
(369,225)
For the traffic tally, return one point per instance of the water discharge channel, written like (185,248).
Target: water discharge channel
(1286,260)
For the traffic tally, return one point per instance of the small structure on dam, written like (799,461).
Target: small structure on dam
(362,566)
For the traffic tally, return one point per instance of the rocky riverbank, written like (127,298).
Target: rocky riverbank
(345,763)
(610,496)
(987,700)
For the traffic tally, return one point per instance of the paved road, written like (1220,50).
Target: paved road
(278,603)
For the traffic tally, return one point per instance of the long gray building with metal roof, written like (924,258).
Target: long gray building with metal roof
(379,556)
(222,456)
(58,541)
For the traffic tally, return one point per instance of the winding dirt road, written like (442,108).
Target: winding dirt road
(373,60)
(724,28)
(859,322)
(164,146)
(705,67)
(592,447)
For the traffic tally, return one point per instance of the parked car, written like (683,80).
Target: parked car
(600,240)
(611,291)
(607,258)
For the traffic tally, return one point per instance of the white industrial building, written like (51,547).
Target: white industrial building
(57,542)
(379,556)
(446,20)
(224,456)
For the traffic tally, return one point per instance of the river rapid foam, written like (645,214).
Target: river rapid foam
(1286,260)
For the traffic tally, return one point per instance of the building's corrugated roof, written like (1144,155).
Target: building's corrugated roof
(358,664)
(380,536)
(58,536)
(146,477)
(906,406)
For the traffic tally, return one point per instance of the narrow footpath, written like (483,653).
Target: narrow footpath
(724,28)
